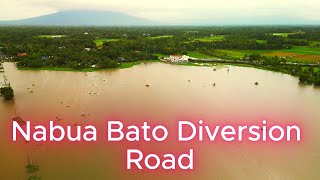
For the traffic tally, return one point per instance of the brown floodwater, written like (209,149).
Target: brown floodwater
(174,93)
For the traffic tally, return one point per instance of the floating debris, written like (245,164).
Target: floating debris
(214,69)
(83,115)
(214,84)
(189,80)
(33,85)
(147,85)
(67,106)
(58,119)
(256,83)
(31,92)
(19,120)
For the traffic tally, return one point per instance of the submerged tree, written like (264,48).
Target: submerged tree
(7,92)
(32,169)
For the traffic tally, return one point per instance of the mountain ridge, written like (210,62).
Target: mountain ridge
(83,17)
(112,18)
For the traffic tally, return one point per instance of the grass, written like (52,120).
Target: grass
(296,54)
(234,53)
(196,54)
(211,38)
(164,36)
(261,41)
(51,36)
(304,50)
(99,42)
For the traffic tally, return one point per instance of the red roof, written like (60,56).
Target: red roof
(176,55)
(22,54)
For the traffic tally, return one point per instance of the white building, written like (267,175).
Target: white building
(178,58)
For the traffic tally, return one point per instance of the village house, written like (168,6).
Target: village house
(21,54)
(178,58)
(2,56)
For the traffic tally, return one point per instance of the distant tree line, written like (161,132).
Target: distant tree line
(78,50)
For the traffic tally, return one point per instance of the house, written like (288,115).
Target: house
(2,56)
(21,54)
(121,59)
(178,58)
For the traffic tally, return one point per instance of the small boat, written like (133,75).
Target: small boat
(256,83)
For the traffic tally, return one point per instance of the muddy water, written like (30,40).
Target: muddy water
(85,97)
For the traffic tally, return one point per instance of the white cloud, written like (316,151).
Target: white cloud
(170,10)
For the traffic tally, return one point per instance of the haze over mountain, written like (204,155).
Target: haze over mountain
(83,17)
(110,18)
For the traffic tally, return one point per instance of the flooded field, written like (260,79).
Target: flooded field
(174,93)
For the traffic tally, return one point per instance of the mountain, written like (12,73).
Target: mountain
(110,18)
(83,17)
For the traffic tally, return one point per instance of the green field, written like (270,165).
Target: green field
(305,50)
(286,34)
(299,54)
(196,54)
(99,42)
(51,36)
(315,43)
(164,36)
(261,41)
(211,38)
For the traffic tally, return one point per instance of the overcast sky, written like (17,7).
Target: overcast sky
(171,10)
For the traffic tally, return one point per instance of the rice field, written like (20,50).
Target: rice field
(196,54)
(299,54)
(164,36)
(211,38)
(99,42)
